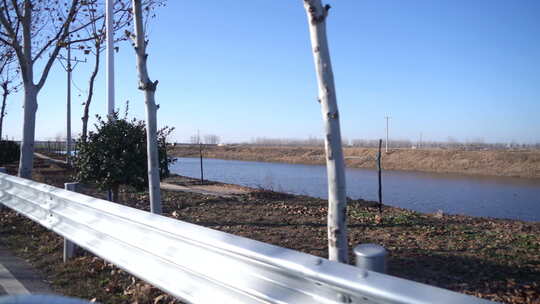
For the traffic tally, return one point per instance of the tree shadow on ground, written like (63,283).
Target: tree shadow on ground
(472,275)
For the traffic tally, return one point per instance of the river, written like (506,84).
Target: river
(499,197)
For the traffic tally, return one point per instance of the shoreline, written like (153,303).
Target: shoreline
(448,174)
(247,189)
(500,163)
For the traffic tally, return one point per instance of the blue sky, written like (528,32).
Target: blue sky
(243,68)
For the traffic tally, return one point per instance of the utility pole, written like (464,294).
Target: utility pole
(109,20)
(69,68)
(109,73)
(387,118)
(68,107)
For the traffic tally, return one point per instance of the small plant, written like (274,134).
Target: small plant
(360,213)
(116,155)
(405,217)
(9,151)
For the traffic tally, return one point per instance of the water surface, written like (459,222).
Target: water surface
(501,197)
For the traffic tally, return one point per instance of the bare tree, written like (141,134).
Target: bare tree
(298,142)
(337,203)
(9,79)
(211,139)
(149,88)
(195,139)
(34,29)
(97,32)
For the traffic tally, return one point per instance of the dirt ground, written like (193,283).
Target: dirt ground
(186,184)
(518,163)
(489,258)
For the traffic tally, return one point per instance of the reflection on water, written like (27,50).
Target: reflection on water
(502,197)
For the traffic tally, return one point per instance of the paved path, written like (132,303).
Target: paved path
(50,159)
(214,190)
(18,277)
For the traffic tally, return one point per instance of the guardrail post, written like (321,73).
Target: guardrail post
(69,247)
(371,257)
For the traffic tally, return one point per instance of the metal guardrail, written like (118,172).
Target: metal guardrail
(202,265)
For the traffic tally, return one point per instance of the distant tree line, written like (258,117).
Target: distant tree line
(450,143)
(265,141)
(361,143)
(208,139)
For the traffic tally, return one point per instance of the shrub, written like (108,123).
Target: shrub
(9,151)
(116,155)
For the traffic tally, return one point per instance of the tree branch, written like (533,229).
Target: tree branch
(11,33)
(65,32)
(16,9)
(4,41)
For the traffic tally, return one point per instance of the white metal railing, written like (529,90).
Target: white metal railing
(202,265)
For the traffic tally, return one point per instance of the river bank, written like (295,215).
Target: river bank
(490,258)
(518,163)
(474,195)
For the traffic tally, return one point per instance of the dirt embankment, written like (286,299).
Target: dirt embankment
(522,163)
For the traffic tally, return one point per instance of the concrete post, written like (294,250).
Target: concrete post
(69,247)
(371,257)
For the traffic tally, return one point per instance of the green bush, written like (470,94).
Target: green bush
(9,151)
(116,155)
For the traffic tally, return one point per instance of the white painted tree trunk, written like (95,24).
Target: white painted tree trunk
(149,89)
(337,201)
(29,126)
(26,161)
